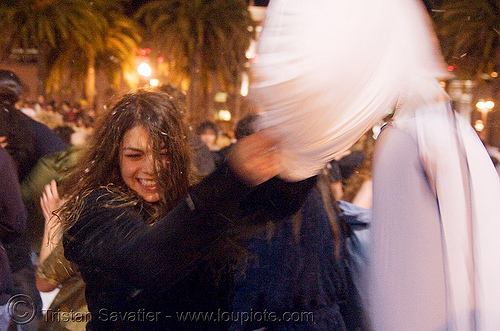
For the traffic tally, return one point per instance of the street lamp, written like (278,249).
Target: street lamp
(154,82)
(224,115)
(484,107)
(144,69)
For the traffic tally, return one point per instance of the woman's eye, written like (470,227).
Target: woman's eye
(133,156)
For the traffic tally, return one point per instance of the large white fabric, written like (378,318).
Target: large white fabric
(467,188)
(328,70)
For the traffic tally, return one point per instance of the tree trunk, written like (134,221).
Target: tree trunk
(42,69)
(195,88)
(207,98)
(90,82)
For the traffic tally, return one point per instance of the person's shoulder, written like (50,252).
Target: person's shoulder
(101,196)
(98,206)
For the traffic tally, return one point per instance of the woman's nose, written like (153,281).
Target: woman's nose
(148,164)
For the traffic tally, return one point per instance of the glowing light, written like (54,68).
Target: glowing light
(224,115)
(489,104)
(252,49)
(144,69)
(494,74)
(154,82)
(244,84)
(220,97)
(443,84)
(479,126)
(160,59)
(451,68)
(485,105)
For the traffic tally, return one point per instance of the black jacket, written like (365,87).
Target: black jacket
(141,277)
(12,219)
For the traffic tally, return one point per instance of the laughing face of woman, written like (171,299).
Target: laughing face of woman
(137,163)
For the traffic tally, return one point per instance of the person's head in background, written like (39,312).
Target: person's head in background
(208,132)
(64,132)
(245,126)
(10,87)
(15,135)
(140,150)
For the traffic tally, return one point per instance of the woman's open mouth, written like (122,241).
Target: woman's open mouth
(147,184)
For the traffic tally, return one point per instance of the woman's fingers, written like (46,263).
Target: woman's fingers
(50,201)
(53,189)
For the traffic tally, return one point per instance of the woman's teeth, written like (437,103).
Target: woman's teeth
(147,182)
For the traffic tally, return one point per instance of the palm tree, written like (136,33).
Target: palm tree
(119,37)
(206,40)
(469,33)
(73,37)
(51,27)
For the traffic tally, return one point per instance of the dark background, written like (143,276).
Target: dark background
(134,4)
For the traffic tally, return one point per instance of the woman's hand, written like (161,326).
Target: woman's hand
(256,158)
(50,202)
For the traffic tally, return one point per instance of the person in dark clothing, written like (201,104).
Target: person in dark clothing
(298,277)
(26,141)
(155,253)
(349,163)
(12,223)
(208,132)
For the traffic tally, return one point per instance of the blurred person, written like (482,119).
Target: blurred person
(224,140)
(358,189)
(298,267)
(27,108)
(203,158)
(69,112)
(27,141)
(64,132)
(143,239)
(55,166)
(244,128)
(435,228)
(208,132)
(12,224)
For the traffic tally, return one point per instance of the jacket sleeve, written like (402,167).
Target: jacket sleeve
(12,212)
(114,241)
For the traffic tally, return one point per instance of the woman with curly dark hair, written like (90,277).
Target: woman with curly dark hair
(154,252)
